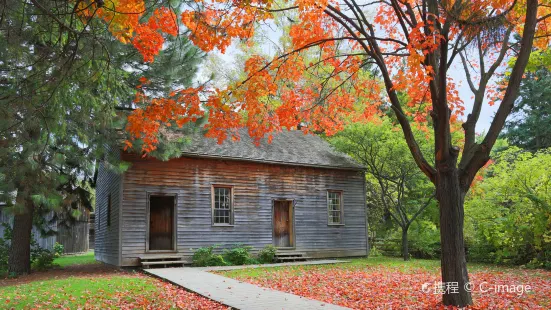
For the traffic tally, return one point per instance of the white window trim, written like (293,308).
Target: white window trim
(341,193)
(232,208)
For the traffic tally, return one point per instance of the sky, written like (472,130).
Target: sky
(456,71)
(228,60)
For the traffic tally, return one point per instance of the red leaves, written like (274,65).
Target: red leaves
(148,39)
(114,291)
(182,108)
(148,42)
(366,287)
(164,20)
(216,25)
(124,20)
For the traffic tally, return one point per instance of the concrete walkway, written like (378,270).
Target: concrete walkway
(238,294)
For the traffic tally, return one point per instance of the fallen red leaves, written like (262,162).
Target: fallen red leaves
(368,287)
(166,296)
(116,291)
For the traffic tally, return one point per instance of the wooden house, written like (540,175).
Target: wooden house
(296,193)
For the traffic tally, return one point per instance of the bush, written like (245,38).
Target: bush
(4,248)
(374,252)
(41,259)
(204,257)
(44,260)
(58,249)
(267,254)
(239,255)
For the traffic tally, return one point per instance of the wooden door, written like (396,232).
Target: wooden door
(161,223)
(283,224)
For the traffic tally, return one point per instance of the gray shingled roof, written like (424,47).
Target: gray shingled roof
(287,147)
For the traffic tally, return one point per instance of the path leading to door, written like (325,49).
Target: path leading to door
(238,294)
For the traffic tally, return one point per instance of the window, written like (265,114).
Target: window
(222,205)
(334,207)
(109,210)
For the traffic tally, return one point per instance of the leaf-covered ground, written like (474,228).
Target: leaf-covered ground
(82,283)
(384,283)
(119,291)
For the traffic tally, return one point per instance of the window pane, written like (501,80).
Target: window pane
(334,207)
(222,205)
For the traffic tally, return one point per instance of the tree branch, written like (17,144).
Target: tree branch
(482,151)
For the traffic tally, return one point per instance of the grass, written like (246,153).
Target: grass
(395,263)
(76,292)
(390,262)
(87,284)
(385,282)
(77,259)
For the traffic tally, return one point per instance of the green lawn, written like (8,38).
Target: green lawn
(82,283)
(392,262)
(77,292)
(128,290)
(78,259)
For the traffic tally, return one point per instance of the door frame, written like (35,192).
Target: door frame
(174,222)
(292,235)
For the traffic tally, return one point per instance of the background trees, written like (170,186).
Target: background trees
(394,182)
(509,212)
(529,125)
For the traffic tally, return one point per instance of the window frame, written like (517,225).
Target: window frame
(341,208)
(232,207)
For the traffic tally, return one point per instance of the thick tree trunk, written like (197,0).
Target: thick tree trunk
(455,278)
(405,248)
(19,259)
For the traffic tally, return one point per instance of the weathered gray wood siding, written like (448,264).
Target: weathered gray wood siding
(45,242)
(255,186)
(73,238)
(106,236)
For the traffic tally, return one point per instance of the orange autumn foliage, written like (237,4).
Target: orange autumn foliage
(124,20)
(285,91)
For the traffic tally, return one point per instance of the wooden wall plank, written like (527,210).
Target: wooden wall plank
(107,237)
(255,186)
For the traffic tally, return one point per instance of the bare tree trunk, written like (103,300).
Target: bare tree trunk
(405,248)
(19,259)
(455,278)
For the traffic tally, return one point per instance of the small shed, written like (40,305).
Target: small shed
(296,193)
(74,237)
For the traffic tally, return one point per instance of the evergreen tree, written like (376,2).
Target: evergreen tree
(62,82)
(529,126)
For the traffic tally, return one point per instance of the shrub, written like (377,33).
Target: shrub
(4,248)
(205,257)
(239,255)
(41,259)
(44,260)
(267,254)
(58,249)
(374,252)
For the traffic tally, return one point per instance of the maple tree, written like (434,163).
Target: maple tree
(412,43)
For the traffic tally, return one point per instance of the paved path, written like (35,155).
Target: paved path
(237,294)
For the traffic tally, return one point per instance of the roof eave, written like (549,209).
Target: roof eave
(273,162)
